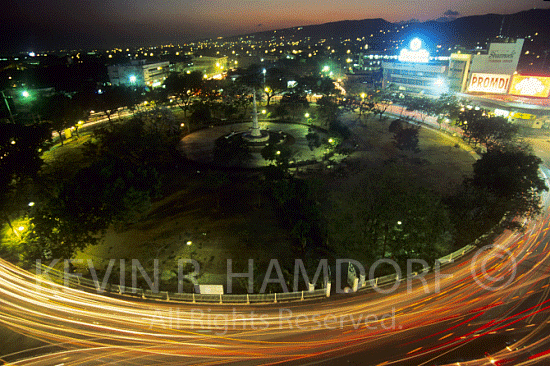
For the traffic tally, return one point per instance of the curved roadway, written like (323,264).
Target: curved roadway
(500,316)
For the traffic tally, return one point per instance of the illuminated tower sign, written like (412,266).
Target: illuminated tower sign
(415,54)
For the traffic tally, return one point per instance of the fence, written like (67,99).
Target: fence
(86,284)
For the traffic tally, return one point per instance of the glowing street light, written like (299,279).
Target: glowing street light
(25,94)
(132,79)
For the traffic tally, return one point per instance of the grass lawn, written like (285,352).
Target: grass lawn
(238,229)
(245,224)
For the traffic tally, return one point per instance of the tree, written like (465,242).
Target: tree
(279,155)
(396,125)
(232,150)
(492,132)
(313,139)
(511,174)
(147,139)
(366,108)
(62,112)
(328,111)
(406,138)
(299,213)
(275,83)
(447,106)
(295,102)
(382,102)
(385,215)
(215,181)
(21,148)
(184,87)
(423,105)
(110,100)
(236,99)
(201,114)
(108,191)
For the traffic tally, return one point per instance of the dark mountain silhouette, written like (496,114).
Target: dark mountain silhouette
(465,31)
(19,34)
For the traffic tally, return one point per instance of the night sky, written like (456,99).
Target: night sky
(48,24)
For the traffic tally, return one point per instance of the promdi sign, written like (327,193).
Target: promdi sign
(489,83)
(415,54)
(530,86)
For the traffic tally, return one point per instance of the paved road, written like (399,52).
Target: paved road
(493,308)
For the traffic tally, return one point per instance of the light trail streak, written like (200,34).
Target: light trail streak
(86,328)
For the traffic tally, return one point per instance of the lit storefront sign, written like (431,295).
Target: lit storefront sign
(489,83)
(530,86)
(415,54)
(502,113)
(518,115)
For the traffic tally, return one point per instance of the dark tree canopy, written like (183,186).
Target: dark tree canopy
(383,215)
(184,87)
(407,138)
(493,132)
(513,175)
(61,112)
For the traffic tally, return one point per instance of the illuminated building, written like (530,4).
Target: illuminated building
(485,71)
(459,67)
(139,73)
(415,72)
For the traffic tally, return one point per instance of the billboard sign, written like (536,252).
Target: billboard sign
(415,53)
(530,86)
(489,83)
(501,58)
